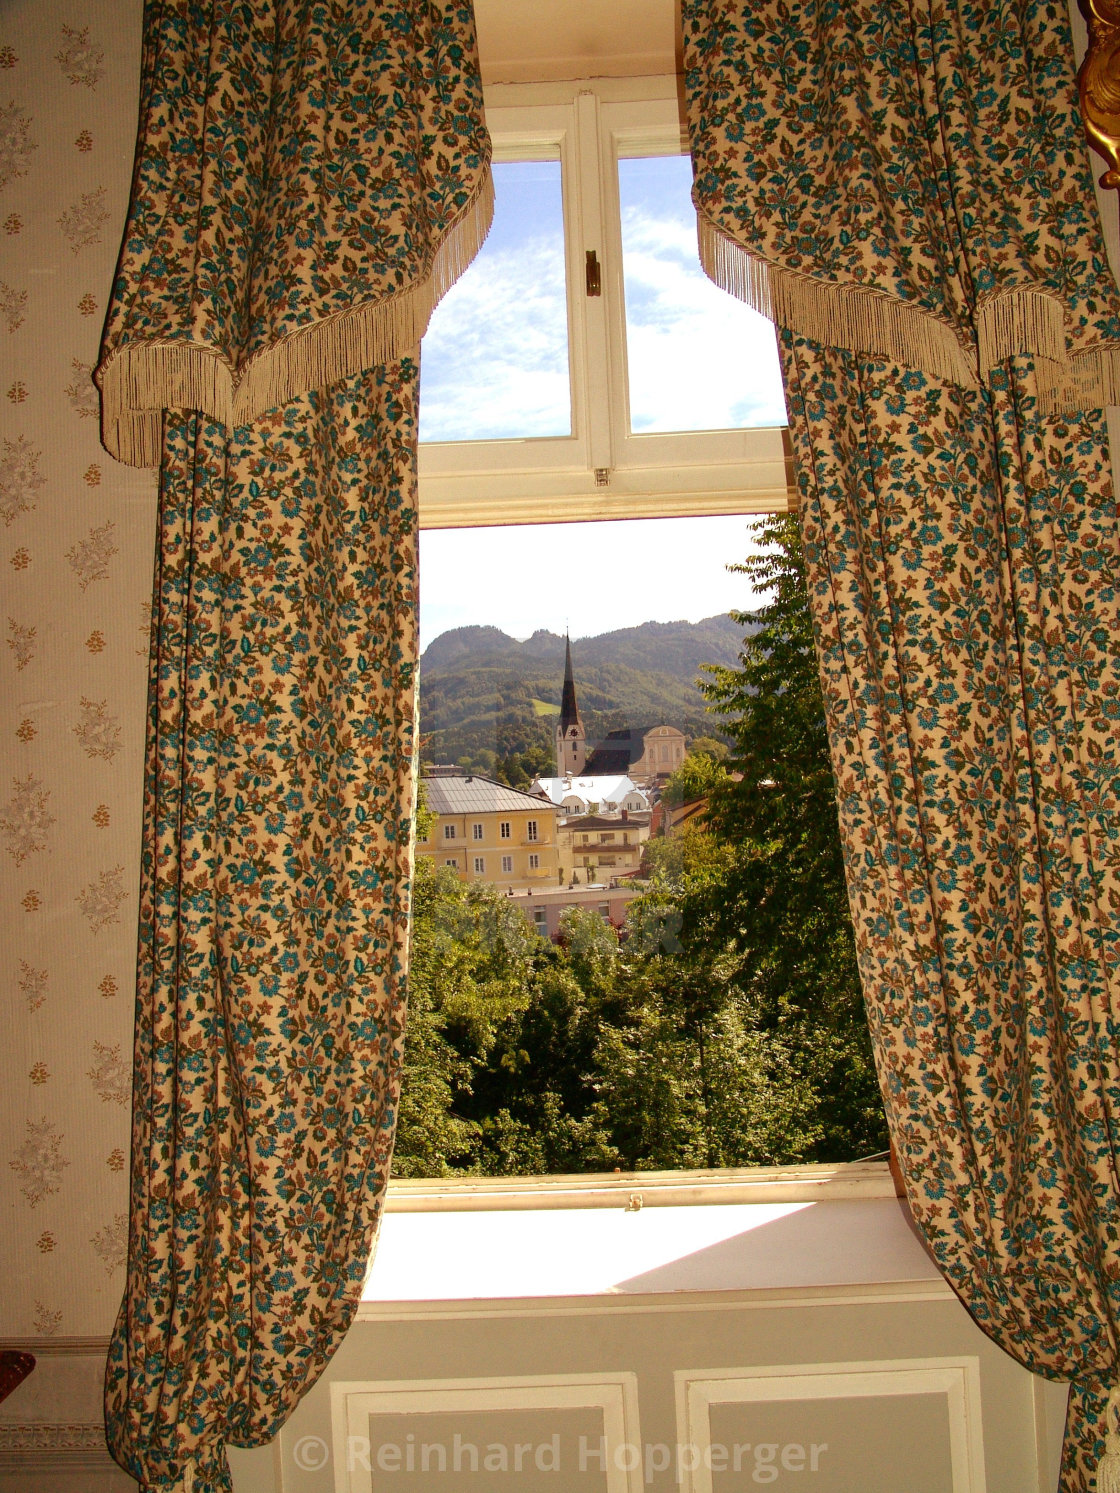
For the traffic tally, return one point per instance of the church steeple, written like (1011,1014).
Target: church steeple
(571,742)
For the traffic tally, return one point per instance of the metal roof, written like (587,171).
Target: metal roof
(477,795)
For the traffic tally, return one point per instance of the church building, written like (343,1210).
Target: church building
(641,753)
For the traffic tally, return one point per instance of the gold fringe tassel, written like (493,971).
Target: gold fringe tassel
(1108,1468)
(1028,322)
(142,379)
(861,320)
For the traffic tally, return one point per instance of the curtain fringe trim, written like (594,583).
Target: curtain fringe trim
(1108,1468)
(1018,322)
(142,379)
(863,321)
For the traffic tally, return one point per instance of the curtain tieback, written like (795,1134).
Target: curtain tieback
(1108,1469)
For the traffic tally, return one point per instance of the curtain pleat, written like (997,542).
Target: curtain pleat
(274,905)
(309,179)
(963,556)
(906,191)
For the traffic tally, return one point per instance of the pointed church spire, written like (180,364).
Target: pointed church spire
(571,743)
(569,710)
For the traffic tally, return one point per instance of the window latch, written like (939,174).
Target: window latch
(594,278)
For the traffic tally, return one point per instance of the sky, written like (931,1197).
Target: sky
(494,364)
(583,578)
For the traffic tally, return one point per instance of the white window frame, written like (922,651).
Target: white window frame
(478,831)
(532,831)
(534,861)
(601,470)
(480,865)
(505,832)
(507,865)
(448,831)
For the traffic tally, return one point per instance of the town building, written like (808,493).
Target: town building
(487,832)
(601,847)
(588,795)
(545,908)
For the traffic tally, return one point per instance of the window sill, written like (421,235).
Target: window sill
(798,1229)
(635,1190)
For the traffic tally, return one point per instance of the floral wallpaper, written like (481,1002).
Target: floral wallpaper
(76,544)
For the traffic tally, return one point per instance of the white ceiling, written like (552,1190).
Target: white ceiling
(526,41)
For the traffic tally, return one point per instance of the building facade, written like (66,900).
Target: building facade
(485,831)
(601,847)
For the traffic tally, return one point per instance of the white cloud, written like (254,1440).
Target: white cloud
(699,359)
(494,361)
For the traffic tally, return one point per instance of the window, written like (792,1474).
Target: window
(480,865)
(478,831)
(616,419)
(448,831)
(480,490)
(452,860)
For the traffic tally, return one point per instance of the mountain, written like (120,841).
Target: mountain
(478,687)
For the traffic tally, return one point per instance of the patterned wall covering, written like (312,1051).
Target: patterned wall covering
(76,542)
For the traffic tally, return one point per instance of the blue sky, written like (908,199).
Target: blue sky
(494,364)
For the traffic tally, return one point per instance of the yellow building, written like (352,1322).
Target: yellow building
(601,847)
(488,832)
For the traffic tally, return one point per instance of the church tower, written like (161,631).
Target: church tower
(571,743)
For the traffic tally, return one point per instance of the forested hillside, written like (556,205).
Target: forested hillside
(485,698)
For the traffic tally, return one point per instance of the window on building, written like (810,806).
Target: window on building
(505,829)
(448,831)
(478,831)
(531,830)
(507,865)
(452,860)
(480,865)
(534,862)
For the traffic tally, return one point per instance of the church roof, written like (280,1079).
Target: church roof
(617,752)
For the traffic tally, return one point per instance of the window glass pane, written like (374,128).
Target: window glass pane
(699,359)
(494,361)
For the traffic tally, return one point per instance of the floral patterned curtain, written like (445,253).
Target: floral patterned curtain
(309,179)
(906,190)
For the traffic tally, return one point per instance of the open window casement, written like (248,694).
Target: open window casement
(605,461)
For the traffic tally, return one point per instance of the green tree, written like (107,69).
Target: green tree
(779,905)
(698,776)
